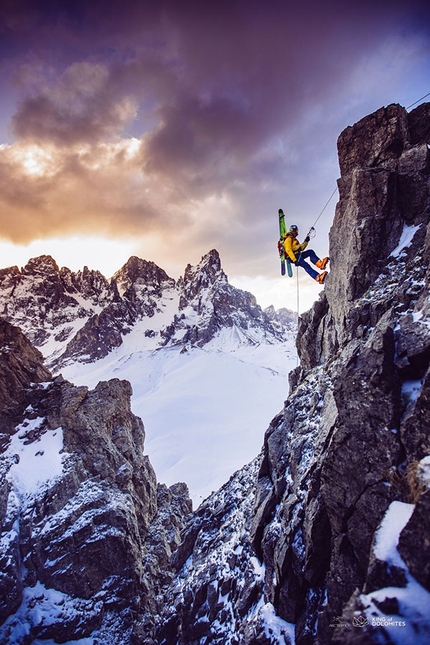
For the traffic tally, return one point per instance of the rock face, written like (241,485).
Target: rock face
(344,470)
(354,422)
(323,538)
(87,533)
(20,362)
(83,317)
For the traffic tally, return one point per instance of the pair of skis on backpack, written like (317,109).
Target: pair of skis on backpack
(286,266)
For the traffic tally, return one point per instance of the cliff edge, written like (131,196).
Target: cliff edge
(350,450)
(325,541)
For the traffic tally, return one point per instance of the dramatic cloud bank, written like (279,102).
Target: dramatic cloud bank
(187,124)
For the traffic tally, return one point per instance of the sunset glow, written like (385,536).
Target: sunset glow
(170,129)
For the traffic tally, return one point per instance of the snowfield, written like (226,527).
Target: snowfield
(205,411)
(34,465)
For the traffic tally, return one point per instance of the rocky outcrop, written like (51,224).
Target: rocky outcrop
(20,365)
(338,530)
(216,596)
(354,423)
(86,531)
(383,192)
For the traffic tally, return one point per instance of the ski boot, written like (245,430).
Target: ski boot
(321,264)
(321,277)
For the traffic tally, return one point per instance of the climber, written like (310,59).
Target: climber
(297,254)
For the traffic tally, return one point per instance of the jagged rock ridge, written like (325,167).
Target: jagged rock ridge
(345,467)
(82,316)
(87,533)
(323,538)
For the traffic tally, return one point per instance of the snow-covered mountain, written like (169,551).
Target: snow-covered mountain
(82,316)
(335,548)
(185,346)
(322,539)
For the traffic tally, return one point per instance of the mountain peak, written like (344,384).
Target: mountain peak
(136,267)
(212,260)
(137,273)
(41,265)
(82,316)
(203,275)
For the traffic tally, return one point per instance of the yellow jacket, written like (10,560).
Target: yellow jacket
(293,247)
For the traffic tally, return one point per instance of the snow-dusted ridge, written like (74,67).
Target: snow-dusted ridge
(207,365)
(322,539)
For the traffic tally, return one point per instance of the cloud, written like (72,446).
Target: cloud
(46,191)
(80,108)
(209,114)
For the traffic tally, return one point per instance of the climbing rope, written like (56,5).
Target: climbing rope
(311,234)
(419,100)
(312,228)
(298,305)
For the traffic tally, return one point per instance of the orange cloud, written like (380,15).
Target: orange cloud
(185,121)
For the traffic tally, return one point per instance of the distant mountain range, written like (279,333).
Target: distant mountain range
(322,538)
(82,316)
(201,355)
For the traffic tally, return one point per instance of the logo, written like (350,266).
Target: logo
(338,621)
(360,621)
(387,621)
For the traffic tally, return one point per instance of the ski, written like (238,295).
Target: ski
(282,266)
(282,233)
(289,268)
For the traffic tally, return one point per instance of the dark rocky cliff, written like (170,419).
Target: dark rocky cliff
(87,533)
(323,538)
(351,447)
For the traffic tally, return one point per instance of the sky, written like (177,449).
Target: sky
(167,128)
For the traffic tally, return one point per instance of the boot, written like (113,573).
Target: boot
(321,277)
(321,264)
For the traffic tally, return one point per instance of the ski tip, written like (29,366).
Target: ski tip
(280,211)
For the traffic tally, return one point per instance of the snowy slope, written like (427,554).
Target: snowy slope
(205,410)
(208,366)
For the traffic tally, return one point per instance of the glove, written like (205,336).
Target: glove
(307,238)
